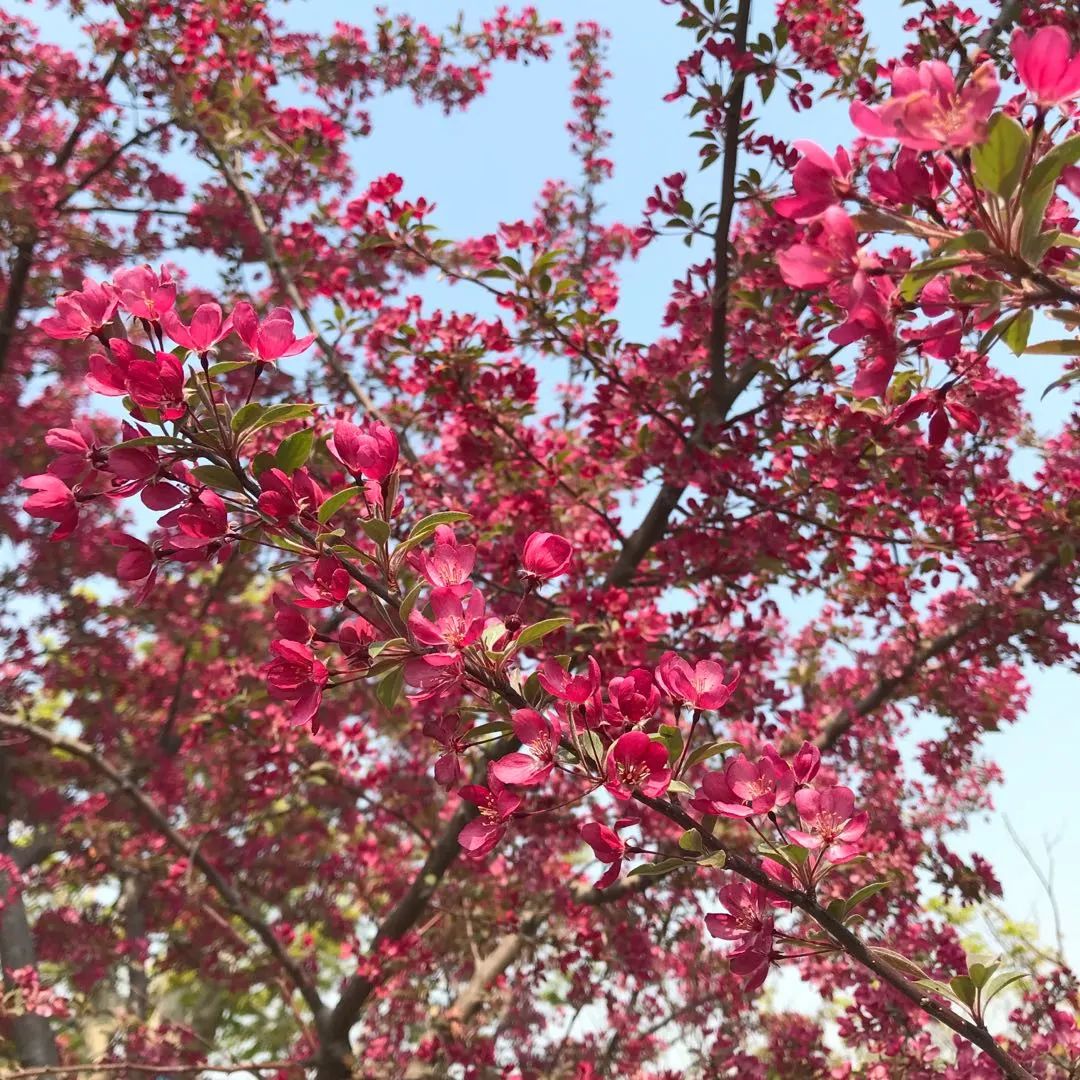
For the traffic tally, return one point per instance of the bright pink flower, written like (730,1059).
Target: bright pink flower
(634,695)
(496,806)
(158,384)
(1047,65)
(328,586)
(831,252)
(700,686)
(910,179)
(450,732)
(449,564)
(819,182)
(371,450)
(546,555)
(144,293)
(106,376)
(457,622)
(273,338)
(577,689)
(79,451)
(608,847)
(829,823)
(138,562)
(748,921)
(206,330)
(637,763)
(290,623)
(81,314)
(52,500)
(298,675)
(806,763)
(746,789)
(285,498)
(201,521)
(927,113)
(940,407)
(434,675)
(540,737)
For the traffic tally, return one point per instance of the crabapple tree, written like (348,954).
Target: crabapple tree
(395,689)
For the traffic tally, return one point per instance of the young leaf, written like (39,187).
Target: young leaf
(1039,187)
(999,160)
(703,753)
(655,869)
(1016,335)
(217,476)
(335,502)
(376,529)
(538,630)
(294,450)
(691,841)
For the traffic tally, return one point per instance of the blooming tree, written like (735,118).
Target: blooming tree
(394,690)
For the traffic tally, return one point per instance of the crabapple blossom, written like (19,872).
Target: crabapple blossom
(1047,65)
(82,313)
(700,685)
(829,822)
(637,763)
(546,556)
(745,789)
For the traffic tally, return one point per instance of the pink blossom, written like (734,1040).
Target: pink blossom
(540,736)
(577,689)
(371,450)
(206,330)
(285,498)
(806,763)
(272,339)
(457,623)
(298,675)
(144,293)
(748,921)
(53,500)
(449,564)
(637,762)
(745,789)
(940,407)
(634,695)
(78,449)
(158,384)
(290,623)
(496,806)
(355,638)
(327,587)
(829,823)
(450,732)
(81,314)
(546,555)
(607,846)
(701,686)
(138,563)
(201,521)
(819,181)
(830,253)
(434,675)
(1047,65)
(926,112)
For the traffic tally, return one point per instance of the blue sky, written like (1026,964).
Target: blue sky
(488,164)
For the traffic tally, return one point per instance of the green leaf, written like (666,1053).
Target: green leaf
(390,687)
(717,860)
(280,414)
(999,160)
(964,988)
(294,450)
(703,753)
(1016,335)
(426,526)
(217,476)
(1040,185)
(225,366)
(677,787)
(407,605)
(862,895)
(335,502)
(148,440)
(247,415)
(927,983)
(1062,347)
(376,529)
(691,841)
(380,646)
(672,738)
(1002,982)
(593,748)
(980,973)
(482,731)
(902,964)
(538,630)
(655,869)
(1065,380)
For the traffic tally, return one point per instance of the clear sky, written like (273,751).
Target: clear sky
(488,164)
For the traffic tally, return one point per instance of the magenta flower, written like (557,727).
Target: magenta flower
(371,450)
(829,823)
(273,338)
(327,587)
(158,384)
(701,686)
(78,450)
(745,789)
(545,556)
(138,563)
(1046,65)
(144,293)
(81,314)
(290,623)
(450,733)
(53,500)
(298,675)
(830,253)
(540,737)
(457,623)
(435,675)
(926,112)
(806,763)
(496,806)
(634,695)
(607,847)
(748,921)
(637,763)
(577,689)
(285,498)
(819,181)
(355,638)
(206,330)
(449,564)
